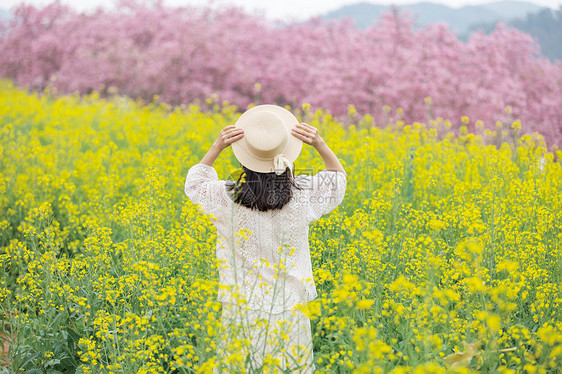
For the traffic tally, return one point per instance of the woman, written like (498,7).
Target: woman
(262,219)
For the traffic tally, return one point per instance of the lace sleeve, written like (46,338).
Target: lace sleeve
(326,192)
(203,188)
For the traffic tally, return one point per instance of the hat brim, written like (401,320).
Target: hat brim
(249,160)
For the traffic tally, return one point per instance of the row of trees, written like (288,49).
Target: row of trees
(186,54)
(545,26)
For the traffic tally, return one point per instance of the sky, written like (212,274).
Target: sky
(276,9)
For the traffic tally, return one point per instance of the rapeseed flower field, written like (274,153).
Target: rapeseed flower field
(444,256)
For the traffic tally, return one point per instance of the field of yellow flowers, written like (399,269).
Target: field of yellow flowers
(445,254)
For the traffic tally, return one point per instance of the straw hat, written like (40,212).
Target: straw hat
(267,144)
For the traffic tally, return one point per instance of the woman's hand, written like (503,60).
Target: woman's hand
(227,136)
(308,134)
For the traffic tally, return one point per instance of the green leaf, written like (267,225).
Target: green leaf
(73,335)
(52,362)
(28,360)
(53,371)
(33,371)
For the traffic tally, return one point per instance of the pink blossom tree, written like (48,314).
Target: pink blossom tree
(187,54)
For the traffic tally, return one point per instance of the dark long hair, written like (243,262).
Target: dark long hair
(262,191)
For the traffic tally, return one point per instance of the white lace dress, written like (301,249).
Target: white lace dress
(265,268)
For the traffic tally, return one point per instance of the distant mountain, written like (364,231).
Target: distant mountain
(512,9)
(5,14)
(460,19)
(545,26)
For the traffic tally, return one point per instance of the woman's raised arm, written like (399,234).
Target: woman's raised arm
(227,136)
(309,135)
